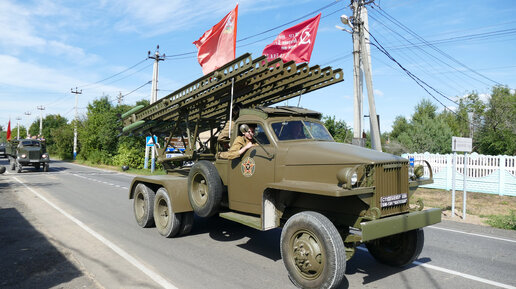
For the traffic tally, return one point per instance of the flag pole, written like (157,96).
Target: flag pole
(231,106)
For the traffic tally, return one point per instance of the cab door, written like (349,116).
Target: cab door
(249,174)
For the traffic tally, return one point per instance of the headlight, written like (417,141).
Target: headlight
(348,177)
(23,156)
(44,156)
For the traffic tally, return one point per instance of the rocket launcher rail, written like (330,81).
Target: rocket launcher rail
(203,104)
(256,83)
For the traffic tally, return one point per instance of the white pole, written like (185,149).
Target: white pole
(464,186)
(454,169)
(75,130)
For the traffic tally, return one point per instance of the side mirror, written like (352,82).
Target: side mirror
(244,128)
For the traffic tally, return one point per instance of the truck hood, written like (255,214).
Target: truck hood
(333,153)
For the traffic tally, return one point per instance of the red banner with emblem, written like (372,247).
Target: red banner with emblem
(295,43)
(216,46)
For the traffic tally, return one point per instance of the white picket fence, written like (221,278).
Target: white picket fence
(484,174)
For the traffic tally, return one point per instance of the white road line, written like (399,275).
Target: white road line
(464,275)
(473,234)
(153,275)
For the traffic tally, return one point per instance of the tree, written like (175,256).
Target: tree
(338,129)
(63,141)
(50,123)
(498,132)
(98,133)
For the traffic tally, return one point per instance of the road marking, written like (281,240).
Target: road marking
(153,275)
(464,275)
(473,234)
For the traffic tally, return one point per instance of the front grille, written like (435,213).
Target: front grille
(391,182)
(34,155)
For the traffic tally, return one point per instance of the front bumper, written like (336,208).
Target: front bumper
(376,229)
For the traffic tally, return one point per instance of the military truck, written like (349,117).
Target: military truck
(28,152)
(328,197)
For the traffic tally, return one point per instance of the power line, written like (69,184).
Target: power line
(90,84)
(392,19)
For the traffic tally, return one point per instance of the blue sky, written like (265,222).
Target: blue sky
(100,46)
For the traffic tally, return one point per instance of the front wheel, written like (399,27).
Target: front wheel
(398,250)
(313,251)
(46,167)
(167,222)
(204,189)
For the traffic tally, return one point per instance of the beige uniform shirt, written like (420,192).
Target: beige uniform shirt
(233,153)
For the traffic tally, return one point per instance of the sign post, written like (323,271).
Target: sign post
(460,144)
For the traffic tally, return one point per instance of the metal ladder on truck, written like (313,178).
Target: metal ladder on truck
(204,104)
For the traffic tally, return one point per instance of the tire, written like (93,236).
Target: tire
(12,162)
(19,168)
(167,222)
(398,250)
(37,166)
(187,220)
(143,206)
(46,167)
(313,251)
(204,189)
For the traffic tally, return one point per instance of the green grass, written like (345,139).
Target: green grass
(507,222)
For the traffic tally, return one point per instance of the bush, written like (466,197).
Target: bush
(507,222)
(131,156)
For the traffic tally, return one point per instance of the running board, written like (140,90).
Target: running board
(248,220)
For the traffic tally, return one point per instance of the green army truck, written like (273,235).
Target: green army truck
(328,197)
(28,152)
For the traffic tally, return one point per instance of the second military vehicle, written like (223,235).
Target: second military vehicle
(329,197)
(28,152)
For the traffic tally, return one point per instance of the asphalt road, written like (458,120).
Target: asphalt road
(73,227)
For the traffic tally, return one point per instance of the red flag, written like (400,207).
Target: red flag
(8,136)
(295,43)
(217,45)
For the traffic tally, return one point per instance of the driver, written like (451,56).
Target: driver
(241,144)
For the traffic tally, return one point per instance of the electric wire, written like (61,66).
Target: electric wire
(109,77)
(388,16)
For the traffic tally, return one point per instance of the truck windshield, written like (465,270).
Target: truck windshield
(297,129)
(29,143)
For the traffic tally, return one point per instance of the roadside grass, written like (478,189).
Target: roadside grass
(485,209)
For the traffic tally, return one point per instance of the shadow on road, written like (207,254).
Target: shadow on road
(27,258)
(264,243)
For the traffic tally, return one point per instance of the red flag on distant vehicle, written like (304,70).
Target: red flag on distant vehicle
(295,43)
(217,45)
(8,136)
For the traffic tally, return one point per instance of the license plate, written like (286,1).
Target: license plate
(393,200)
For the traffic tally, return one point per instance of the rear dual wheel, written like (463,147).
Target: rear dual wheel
(143,205)
(169,223)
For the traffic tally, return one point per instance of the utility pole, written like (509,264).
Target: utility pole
(157,58)
(18,125)
(120,98)
(42,108)
(27,113)
(76,92)
(154,97)
(362,67)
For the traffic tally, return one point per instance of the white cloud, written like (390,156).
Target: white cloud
(378,92)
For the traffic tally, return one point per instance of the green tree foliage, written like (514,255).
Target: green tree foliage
(497,135)
(98,133)
(50,123)
(426,132)
(338,129)
(62,137)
